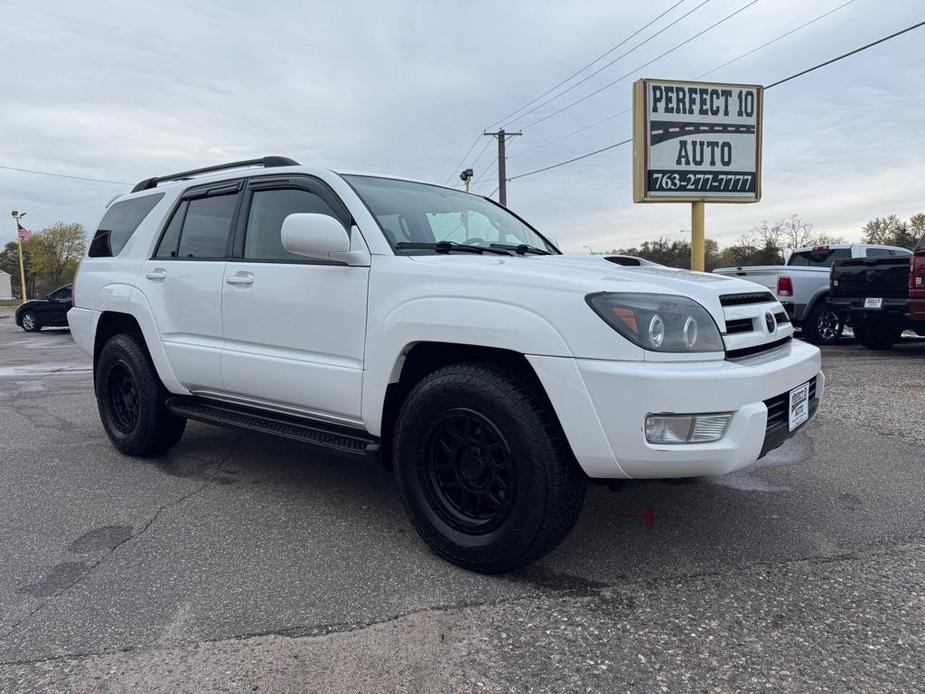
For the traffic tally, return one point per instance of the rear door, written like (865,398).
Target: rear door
(294,328)
(183,282)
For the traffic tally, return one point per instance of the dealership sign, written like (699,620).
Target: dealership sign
(696,141)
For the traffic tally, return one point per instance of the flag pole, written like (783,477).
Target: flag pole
(22,268)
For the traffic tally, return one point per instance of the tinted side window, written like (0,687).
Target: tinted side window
(265,221)
(206,227)
(167,248)
(62,294)
(879,253)
(820,258)
(119,223)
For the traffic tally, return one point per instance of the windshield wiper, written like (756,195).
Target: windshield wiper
(447,246)
(521,248)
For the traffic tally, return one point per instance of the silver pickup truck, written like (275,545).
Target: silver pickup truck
(802,285)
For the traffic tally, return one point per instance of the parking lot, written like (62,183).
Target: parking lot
(240,560)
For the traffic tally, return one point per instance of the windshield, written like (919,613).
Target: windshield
(415,215)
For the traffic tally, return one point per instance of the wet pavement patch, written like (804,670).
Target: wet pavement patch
(61,576)
(106,537)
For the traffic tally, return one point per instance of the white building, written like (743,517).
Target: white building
(6,285)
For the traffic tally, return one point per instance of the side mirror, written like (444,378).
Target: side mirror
(314,236)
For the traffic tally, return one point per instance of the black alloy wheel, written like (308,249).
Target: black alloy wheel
(122,394)
(468,471)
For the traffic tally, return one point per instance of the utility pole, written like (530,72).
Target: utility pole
(502,136)
(22,268)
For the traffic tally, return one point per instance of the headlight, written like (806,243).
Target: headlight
(659,322)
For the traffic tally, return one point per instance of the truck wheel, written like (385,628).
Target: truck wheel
(823,325)
(483,468)
(876,333)
(132,400)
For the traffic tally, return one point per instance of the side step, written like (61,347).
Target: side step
(333,438)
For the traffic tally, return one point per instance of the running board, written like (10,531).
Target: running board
(333,438)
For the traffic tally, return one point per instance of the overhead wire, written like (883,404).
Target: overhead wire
(60,175)
(769,86)
(634,71)
(585,67)
(700,76)
(612,62)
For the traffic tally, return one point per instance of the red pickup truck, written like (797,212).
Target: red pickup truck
(916,303)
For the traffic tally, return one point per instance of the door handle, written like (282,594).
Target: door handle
(156,274)
(240,279)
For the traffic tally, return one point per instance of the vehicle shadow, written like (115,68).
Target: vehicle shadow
(627,531)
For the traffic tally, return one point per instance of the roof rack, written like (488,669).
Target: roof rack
(267,162)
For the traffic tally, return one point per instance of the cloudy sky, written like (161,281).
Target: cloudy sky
(122,91)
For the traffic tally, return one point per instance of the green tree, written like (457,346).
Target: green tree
(55,253)
(9,262)
(893,231)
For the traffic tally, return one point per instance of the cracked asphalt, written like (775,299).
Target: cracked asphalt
(241,563)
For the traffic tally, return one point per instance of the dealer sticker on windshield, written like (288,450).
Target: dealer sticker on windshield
(799,405)
(871,302)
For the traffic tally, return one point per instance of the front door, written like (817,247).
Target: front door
(183,283)
(294,328)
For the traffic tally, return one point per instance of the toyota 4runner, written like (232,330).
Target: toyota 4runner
(435,330)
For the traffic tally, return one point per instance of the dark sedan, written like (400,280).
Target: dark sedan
(45,313)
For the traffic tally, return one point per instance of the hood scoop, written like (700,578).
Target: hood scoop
(623,260)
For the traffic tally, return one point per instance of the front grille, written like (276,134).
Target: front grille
(782,317)
(757,349)
(745,299)
(779,405)
(739,325)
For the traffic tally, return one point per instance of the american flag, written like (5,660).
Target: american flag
(24,234)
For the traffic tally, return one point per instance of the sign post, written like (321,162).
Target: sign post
(696,142)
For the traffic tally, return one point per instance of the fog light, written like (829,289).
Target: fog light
(686,428)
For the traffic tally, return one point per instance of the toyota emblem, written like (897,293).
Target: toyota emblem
(770,321)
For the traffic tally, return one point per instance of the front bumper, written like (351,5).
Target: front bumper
(602,406)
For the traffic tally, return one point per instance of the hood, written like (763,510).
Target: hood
(592,273)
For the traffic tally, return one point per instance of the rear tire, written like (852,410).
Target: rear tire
(132,400)
(483,468)
(878,334)
(823,325)
(30,323)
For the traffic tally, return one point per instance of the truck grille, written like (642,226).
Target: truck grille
(757,349)
(779,405)
(745,299)
(739,325)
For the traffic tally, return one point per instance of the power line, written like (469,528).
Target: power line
(845,55)
(700,76)
(569,161)
(773,84)
(463,160)
(774,40)
(58,175)
(585,67)
(612,62)
(633,72)
(573,132)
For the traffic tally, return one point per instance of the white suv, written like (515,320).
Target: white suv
(374,316)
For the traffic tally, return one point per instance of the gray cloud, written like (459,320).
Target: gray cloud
(124,91)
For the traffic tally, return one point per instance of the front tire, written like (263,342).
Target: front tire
(483,468)
(132,400)
(823,325)
(30,323)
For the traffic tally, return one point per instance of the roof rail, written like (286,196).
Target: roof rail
(267,162)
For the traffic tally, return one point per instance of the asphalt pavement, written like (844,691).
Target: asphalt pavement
(239,562)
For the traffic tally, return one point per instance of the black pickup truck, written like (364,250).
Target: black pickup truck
(874,293)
